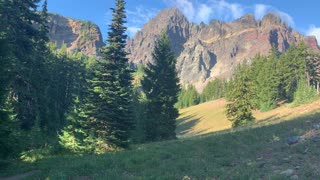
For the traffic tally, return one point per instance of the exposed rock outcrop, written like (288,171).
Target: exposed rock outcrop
(205,52)
(78,35)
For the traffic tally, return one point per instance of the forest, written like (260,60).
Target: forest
(64,102)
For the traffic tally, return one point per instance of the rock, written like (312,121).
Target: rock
(208,51)
(76,34)
(316,139)
(294,177)
(286,160)
(186,178)
(293,140)
(316,126)
(271,19)
(287,172)
(261,164)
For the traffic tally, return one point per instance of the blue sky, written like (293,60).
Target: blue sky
(301,15)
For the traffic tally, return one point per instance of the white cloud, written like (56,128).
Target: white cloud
(187,8)
(206,10)
(132,30)
(141,14)
(226,9)
(203,12)
(137,17)
(314,31)
(286,17)
(261,9)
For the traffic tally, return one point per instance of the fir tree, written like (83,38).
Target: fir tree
(241,95)
(293,67)
(161,86)
(109,105)
(265,81)
(21,90)
(187,97)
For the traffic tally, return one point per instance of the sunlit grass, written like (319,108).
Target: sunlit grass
(210,117)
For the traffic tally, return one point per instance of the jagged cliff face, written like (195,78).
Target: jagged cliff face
(205,52)
(78,35)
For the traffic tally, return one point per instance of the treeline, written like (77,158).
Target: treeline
(289,77)
(214,90)
(39,81)
(61,102)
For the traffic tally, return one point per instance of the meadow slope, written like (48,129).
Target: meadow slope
(210,117)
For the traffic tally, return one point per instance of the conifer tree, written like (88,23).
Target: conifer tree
(109,104)
(161,86)
(266,81)
(6,59)
(23,37)
(21,90)
(293,67)
(241,95)
(188,96)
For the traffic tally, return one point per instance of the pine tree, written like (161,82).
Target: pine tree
(241,95)
(109,105)
(265,80)
(293,67)
(161,86)
(213,90)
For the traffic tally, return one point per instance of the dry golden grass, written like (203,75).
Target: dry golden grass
(210,117)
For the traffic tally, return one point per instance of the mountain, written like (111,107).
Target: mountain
(208,51)
(78,35)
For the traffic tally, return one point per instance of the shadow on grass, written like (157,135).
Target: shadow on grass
(272,119)
(186,124)
(215,152)
(292,125)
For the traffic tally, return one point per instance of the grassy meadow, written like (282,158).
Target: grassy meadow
(258,151)
(210,117)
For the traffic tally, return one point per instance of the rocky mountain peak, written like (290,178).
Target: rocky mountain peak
(272,19)
(171,15)
(171,21)
(248,19)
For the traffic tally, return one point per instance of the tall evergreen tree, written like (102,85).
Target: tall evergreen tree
(188,96)
(109,105)
(293,67)
(23,19)
(241,95)
(265,80)
(22,85)
(6,58)
(161,86)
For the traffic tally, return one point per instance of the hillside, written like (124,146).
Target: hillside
(210,117)
(208,51)
(256,153)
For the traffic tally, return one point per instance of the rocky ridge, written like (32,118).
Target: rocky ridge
(78,35)
(208,51)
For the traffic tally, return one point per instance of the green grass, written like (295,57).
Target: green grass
(253,153)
